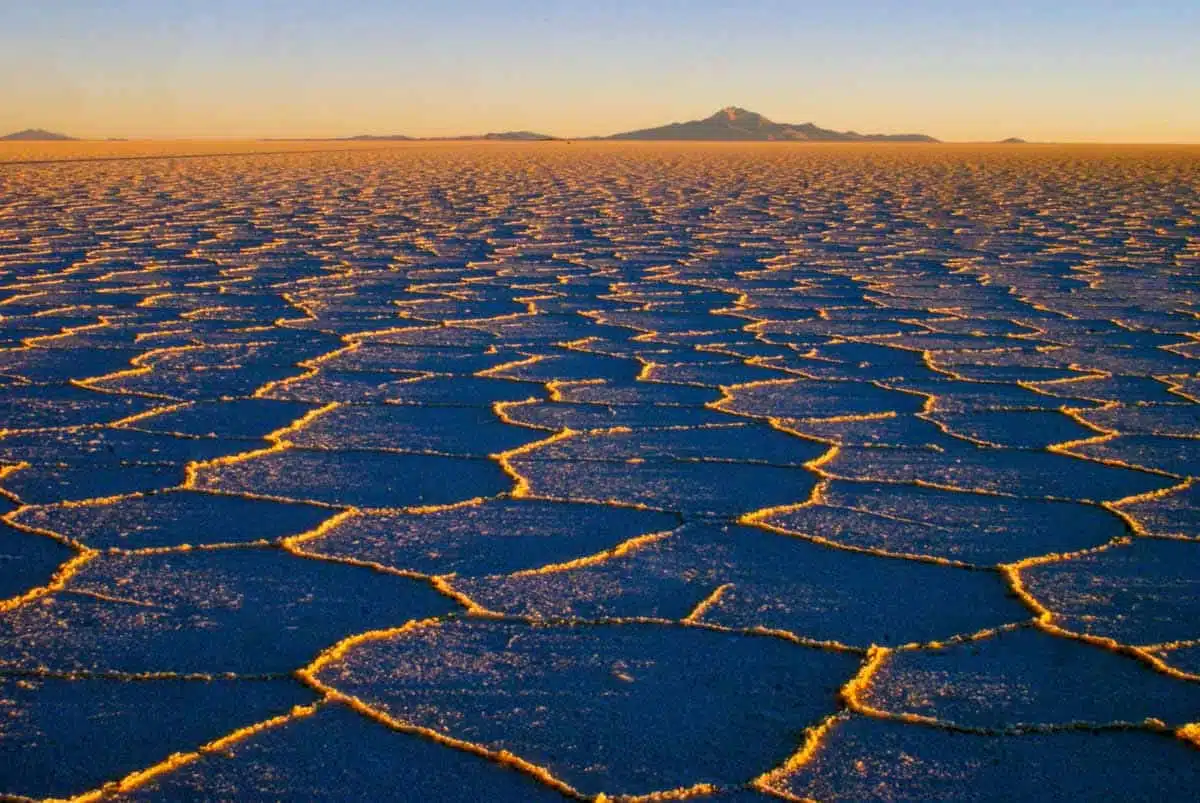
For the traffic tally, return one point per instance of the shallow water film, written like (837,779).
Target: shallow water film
(597,471)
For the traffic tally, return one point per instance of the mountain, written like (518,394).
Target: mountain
(521,136)
(1012,141)
(377,138)
(515,136)
(733,124)
(36,135)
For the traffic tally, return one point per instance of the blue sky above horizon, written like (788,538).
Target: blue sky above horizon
(1068,70)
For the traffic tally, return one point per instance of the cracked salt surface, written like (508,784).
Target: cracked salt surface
(650,472)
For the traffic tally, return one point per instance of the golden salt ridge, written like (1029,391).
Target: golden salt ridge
(773,353)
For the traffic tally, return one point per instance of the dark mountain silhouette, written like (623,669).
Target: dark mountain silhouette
(523,136)
(377,138)
(515,136)
(36,135)
(733,124)
(1013,141)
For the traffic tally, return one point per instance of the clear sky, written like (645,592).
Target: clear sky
(957,69)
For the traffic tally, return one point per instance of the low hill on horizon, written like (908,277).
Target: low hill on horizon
(521,136)
(735,124)
(377,138)
(513,136)
(36,135)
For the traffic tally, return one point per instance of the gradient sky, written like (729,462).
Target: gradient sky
(1046,70)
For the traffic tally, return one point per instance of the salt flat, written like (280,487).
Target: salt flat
(567,470)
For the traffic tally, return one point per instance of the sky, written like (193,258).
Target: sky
(1051,70)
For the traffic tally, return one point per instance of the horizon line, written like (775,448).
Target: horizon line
(492,137)
(737,115)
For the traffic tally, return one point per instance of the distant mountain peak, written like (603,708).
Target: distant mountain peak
(733,123)
(36,135)
(736,115)
(732,113)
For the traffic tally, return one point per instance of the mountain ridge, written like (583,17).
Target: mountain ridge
(730,124)
(511,136)
(36,135)
(735,124)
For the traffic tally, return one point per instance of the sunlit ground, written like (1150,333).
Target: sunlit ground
(534,472)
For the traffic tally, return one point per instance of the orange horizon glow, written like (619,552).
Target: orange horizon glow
(1077,72)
